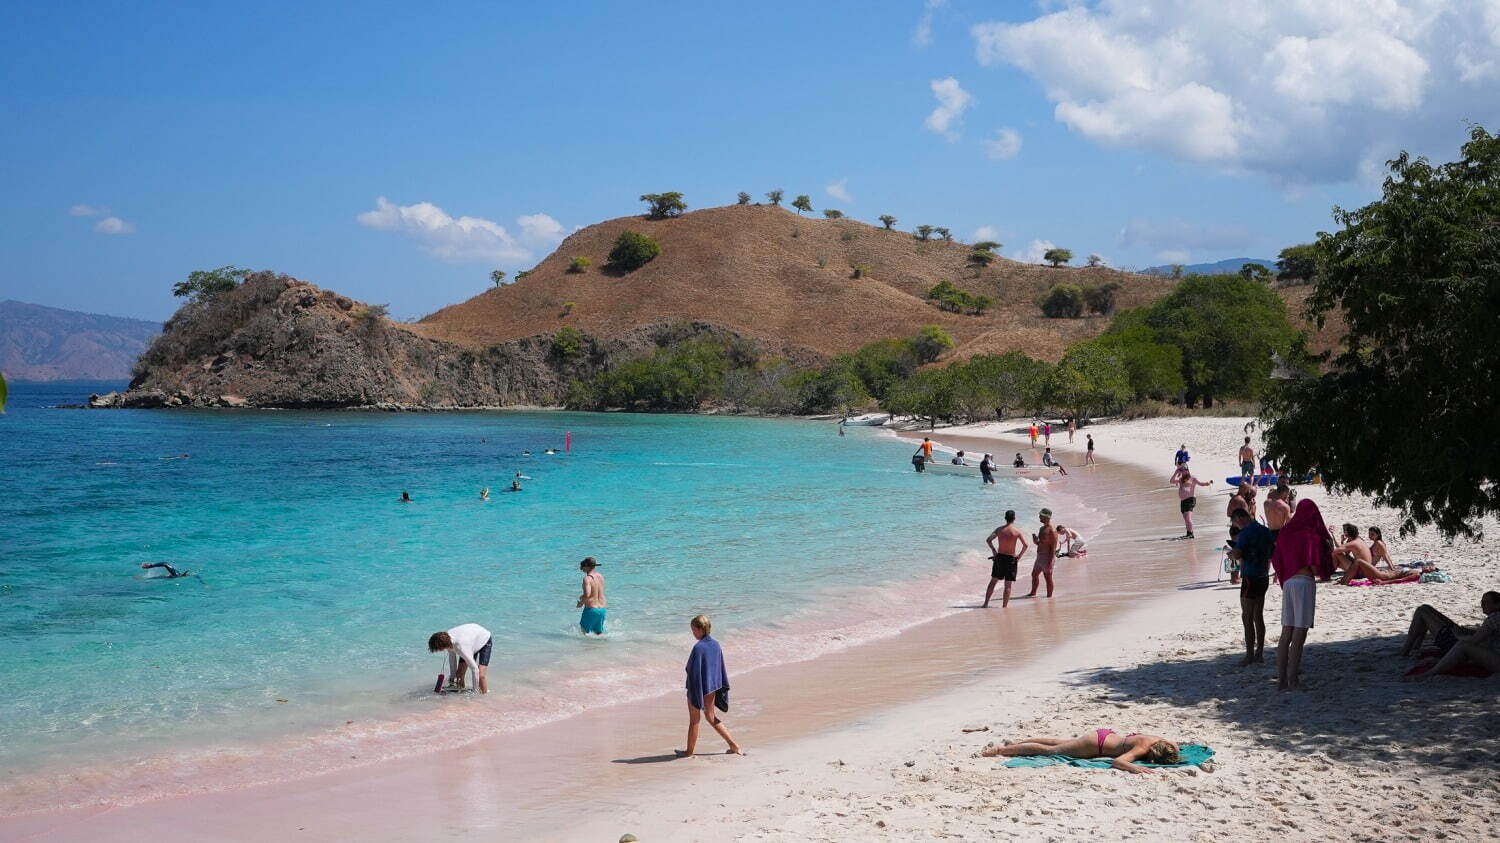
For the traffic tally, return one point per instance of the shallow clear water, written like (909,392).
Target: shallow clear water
(314,590)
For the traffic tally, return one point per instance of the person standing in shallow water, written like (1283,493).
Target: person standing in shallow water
(592,600)
(1187,494)
(707,688)
(1089,458)
(1046,553)
(1007,545)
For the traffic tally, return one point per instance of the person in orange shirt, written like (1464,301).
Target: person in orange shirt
(927,448)
(1033,434)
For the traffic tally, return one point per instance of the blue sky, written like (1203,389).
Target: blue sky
(146,140)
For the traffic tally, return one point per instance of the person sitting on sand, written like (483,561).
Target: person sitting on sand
(1071,544)
(1051,462)
(1349,552)
(707,687)
(172,573)
(1481,647)
(1379,552)
(1121,750)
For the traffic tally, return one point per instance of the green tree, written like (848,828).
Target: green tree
(1406,410)
(775,195)
(1228,328)
(1298,263)
(833,214)
(1089,380)
(1063,301)
(802,203)
(987,246)
(943,234)
(928,394)
(930,343)
(1255,272)
(980,258)
(579,264)
(881,365)
(924,232)
(1177,269)
(205,283)
(1095,261)
(988,385)
(498,277)
(743,198)
(948,296)
(887,220)
(633,250)
(523,273)
(1057,257)
(568,343)
(1100,298)
(1153,368)
(663,205)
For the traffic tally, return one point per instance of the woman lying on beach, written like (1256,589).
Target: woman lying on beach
(1100,743)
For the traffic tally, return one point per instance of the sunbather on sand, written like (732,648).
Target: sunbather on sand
(1100,743)
(1358,569)
(1482,647)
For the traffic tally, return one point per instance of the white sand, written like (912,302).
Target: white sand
(1356,755)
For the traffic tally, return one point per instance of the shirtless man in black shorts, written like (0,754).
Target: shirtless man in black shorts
(1007,545)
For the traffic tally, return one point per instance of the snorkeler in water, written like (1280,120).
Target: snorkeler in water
(172,573)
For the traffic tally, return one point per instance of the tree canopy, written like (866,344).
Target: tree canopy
(663,205)
(1063,301)
(775,195)
(833,214)
(930,343)
(803,202)
(633,250)
(1406,410)
(743,198)
(497,277)
(1057,257)
(1298,263)
(887,220)
(204,283)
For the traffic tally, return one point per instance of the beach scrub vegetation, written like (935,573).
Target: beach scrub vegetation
(1297,264)
(888,221)
(743,198)
(924,232)
(979,259)
(660,206)
(1057,257)
(1230,331)
(370,316)
(1405,408)
(943,234)
(955,299)
(1100,298)
(497,277)
(927,395)
(803,202)
(1063,301)
(633,250)
(568,343)
(775,195)
(861,270)
(833,214)
(205,283)
(1255,272)
(930,343)
(579,264)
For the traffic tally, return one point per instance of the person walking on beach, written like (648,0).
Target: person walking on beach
(1247,459)
(1304,550)
(1252,548)
(987,470)
(1089,457)
(1182,456)
(592,600)
(1033,434)
(1187,494)
(1007,545)
(469,646)
(1072,428)
(1046,552)
(707,688)
(1047,434)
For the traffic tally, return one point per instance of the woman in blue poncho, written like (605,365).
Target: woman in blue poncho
(707,688)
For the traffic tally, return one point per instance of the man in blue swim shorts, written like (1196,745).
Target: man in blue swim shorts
(592,599)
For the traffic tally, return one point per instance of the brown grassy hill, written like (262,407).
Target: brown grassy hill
(765,272)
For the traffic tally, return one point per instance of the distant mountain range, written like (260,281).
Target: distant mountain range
(1229,266)
(40,343)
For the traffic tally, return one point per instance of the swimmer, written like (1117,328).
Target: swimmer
(515,485)
(406,497)
(1018,462)
(550,451)
(525,453)
(172,573)
(520,476)
(484,494)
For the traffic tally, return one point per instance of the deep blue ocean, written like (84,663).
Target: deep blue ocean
(314,590)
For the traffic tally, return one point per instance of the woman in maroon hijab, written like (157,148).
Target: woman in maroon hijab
(1304,550)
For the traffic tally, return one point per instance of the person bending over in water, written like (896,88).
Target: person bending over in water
(1481,647)
(707,688)
(469,646)
(172,573)
(592,600)
(1121,750)
(1071,543)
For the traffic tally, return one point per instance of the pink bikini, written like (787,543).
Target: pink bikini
(1104,733)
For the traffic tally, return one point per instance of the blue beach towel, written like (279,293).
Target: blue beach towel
(706,674)
(1193,754)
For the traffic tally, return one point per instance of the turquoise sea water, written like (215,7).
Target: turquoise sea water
(314,590)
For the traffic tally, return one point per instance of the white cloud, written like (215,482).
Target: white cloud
(1033,251)
(953,101)
(922,35)
(1005,144)
(463,239)
(1302,90)
(1180,234)
(1174,256)
(114,225)
(839,190)
(82,210)
(986,232)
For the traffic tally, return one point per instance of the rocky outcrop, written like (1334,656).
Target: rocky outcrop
(275,341)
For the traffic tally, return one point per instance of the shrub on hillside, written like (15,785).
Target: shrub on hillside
(663,205)
(1064,301)
(568,343)
(924,232)
(743,198)
(887,220)
(203,283)
(930,343)
(579,264)
(803,202)
(833,213)
(955,299)
(775,195)
(633,250)
(1100,299)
